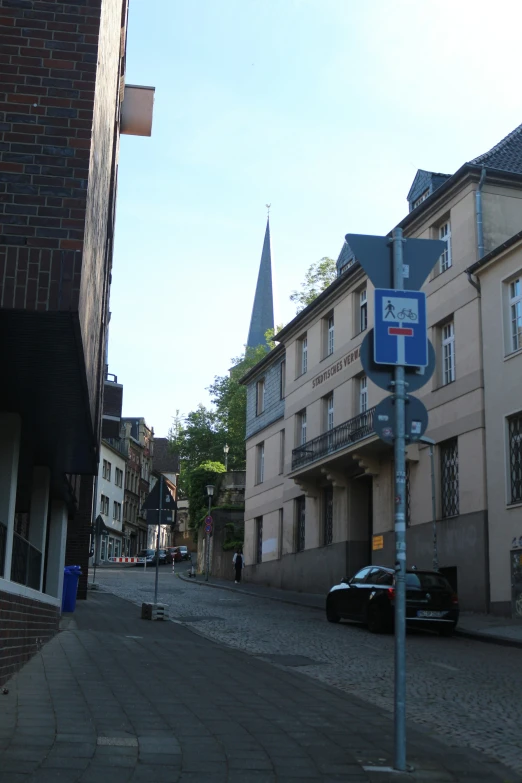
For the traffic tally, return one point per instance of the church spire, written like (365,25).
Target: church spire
(263,309)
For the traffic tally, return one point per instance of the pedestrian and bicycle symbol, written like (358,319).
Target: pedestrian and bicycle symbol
(400,328)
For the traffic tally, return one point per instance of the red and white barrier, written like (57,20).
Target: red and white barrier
(126,559)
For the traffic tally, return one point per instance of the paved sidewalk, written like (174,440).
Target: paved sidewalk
(115,699)
(483,627)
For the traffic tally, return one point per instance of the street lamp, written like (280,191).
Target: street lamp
(226,449)
(431,443)
(210,492)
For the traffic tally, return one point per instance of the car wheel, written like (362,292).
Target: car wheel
(447,630)
(331,615)
(375,620)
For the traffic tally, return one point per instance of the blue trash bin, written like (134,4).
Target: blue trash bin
(71,576)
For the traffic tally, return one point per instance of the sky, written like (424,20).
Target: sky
(324,109)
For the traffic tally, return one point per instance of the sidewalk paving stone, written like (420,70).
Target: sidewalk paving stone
(185,723)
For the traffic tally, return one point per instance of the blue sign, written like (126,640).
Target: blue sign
(401,334)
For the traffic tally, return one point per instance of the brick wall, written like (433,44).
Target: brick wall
(59,92)
(274,405)
(24,626)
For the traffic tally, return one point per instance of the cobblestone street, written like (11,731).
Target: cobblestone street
(465,691)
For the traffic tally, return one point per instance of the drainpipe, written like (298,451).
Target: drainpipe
(476,284)
(478,213)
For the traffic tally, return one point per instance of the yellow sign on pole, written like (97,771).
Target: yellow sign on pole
(378,542)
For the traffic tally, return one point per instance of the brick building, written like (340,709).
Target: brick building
(138,441)
(62,67)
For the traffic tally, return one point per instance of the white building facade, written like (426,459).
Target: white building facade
(109,501)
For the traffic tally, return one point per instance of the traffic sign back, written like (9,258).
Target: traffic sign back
(382,375)
(401,335)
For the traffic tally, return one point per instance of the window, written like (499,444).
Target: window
(260,463)
(282,380)
(104,468)
(303,356)
(259,539)
(281,452)
(360,576)
(515,458)
(448,353)
(329,335)
(329,411)
(421,198)
(328,516)
(445,235)
(515,313)
(280,541)
(118,477)
(104,505)
(363,394)
(363,310)
(301,428)
(260,396)
(116,511)
(300,508)
(449,472)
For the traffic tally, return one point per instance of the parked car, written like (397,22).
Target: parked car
(174,554)
(369,598)
(150,556)
(185,554)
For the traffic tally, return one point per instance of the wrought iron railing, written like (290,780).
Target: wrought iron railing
(345,434)
(3,539)
(26,564)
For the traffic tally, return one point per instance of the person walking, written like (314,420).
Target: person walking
(238,561)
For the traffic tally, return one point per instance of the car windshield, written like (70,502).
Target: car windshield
(427,581)
(146,552)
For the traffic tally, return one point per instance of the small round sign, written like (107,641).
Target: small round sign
(415,419)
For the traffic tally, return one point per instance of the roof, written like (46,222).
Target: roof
(163,459)
(319,300)
(271,356)
(262,317)
(425,179)
(495,252)
(504,156)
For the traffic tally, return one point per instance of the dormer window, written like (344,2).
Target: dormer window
(421,198)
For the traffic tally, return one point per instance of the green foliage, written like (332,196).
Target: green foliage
(234,537)
(318,277)
(201,435)
(207,473)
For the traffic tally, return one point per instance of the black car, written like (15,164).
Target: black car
(150,556)
(369,598)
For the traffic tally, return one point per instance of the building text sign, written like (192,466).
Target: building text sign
(337,367)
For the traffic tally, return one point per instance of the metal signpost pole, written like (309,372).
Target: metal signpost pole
(434,509)
(400,531)
(158,539)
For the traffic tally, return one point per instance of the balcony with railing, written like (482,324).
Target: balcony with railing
(346,434)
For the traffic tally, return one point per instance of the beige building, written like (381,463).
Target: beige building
(500,277)
(319,496)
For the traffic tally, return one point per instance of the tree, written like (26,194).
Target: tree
(208,472)
(229,398)
(202,434)
(195,438)
(318,277)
